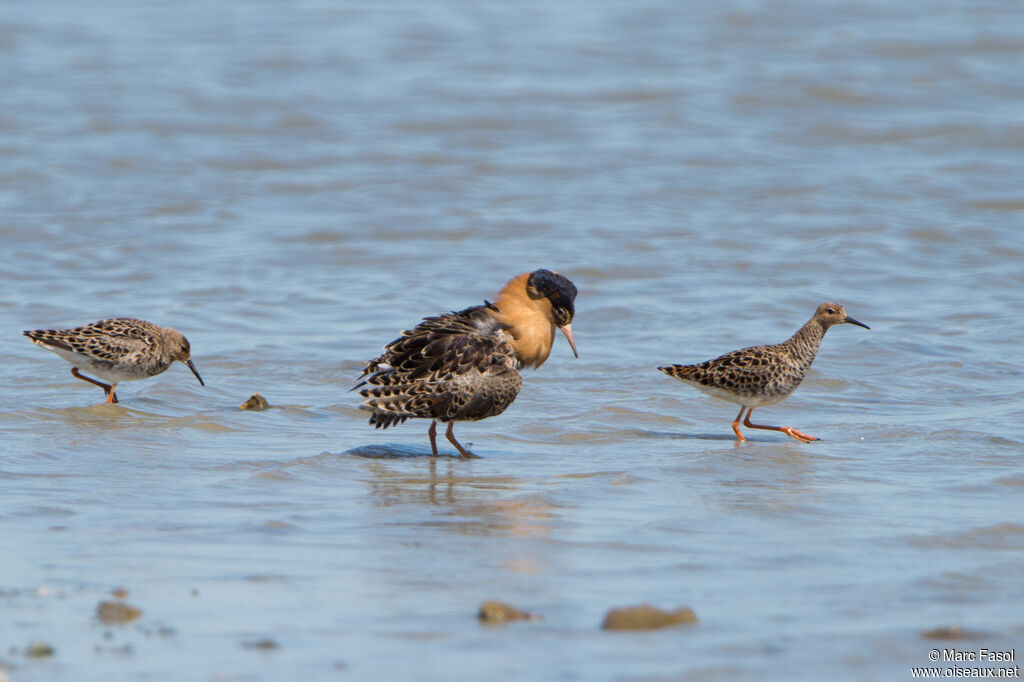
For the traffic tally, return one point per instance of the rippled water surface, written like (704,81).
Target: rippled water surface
(292,184)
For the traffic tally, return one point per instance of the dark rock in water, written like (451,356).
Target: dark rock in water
(497,613)
(116,613)
(255,402)
(39,650)
(952,632)
(646,617)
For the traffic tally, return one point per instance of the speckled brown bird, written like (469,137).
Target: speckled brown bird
(764,375)
(464,366)
(118,349)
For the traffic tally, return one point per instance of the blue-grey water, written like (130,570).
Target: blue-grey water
(291,184)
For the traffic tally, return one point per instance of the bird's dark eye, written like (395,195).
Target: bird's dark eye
(561,316)
(830,311)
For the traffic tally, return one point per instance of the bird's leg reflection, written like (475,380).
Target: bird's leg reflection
(449,488)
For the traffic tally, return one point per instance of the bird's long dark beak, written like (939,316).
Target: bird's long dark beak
(193,368)
(567,330)
(853,321)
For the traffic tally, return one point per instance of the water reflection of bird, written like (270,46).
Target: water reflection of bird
(464,366)
(119,349)
(764,375)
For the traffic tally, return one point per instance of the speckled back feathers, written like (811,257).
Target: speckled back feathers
(118,348)
(763,375)
(464,365)
(454,367)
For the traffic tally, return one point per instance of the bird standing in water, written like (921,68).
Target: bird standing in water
(764,375)
(464,366)
(119,349)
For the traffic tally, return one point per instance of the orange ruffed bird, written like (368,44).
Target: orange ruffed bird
(465,365)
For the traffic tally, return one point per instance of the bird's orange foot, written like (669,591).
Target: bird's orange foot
(466,454)
(797,435)
(736,430)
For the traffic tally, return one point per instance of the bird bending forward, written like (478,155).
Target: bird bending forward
(118,349)
(764,375)
(464,366)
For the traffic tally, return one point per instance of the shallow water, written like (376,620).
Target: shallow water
(291,187)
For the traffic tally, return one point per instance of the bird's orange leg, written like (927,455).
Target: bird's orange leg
(466,454)
(736,425)
(432,432)
(788,430)
(107,388)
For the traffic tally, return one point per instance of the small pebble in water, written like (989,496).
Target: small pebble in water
(115,613)
(39,650)
(255,402)
(953,632)
(646,617)
(497,613)
(265,644)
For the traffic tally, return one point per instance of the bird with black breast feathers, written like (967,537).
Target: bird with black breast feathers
(465,365)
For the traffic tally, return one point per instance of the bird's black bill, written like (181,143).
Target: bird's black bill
(853,321)
(193,368)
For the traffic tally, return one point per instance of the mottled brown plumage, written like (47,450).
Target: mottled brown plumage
(118,349)
(764,375)
(464,366)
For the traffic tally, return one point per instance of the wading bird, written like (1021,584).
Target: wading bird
(464,366)
(764,375)
(116,350)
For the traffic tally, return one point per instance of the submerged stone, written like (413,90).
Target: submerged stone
(496,613)
(646,617)
(953,632)
(116,613)
(39,650)
(255,402)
